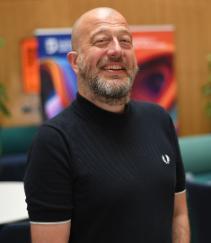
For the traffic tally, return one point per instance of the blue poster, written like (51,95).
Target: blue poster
(58,85)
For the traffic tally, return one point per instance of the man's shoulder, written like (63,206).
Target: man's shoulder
(147,108)
(61,121)
(148,115)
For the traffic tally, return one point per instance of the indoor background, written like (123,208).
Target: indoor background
(191,18)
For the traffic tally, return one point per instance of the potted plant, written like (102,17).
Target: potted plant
(3,98)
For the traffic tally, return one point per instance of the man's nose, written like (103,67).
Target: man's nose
(115,48)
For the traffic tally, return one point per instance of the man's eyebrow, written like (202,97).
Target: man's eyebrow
(98,32)
(107,31)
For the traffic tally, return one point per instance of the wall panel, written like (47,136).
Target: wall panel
(18,18)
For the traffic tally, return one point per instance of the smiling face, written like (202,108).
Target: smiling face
(104,58)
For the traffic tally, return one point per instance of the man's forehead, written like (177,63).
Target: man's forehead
(100,24)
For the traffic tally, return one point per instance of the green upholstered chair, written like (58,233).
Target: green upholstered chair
(15,140)
(14,145)
(196,153)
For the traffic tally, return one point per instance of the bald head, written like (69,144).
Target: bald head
(91,18)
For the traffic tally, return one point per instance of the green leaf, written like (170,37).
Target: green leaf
(4,110)
(208,109)
(3,97)
(206,89)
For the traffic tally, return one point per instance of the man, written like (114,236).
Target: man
(106,169)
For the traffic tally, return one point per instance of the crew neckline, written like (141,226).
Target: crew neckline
(89,110)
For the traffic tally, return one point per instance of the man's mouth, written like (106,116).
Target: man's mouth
(114,68)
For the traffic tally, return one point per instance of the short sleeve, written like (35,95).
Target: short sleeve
(180,173)
(48,179)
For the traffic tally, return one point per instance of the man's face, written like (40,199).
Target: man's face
(106,59)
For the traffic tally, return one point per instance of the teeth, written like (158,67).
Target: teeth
(114,67)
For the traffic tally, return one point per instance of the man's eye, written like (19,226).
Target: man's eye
(101,41)
(126,41)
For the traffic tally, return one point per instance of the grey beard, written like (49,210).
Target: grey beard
(103,88)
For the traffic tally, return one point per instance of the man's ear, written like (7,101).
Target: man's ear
(72,58)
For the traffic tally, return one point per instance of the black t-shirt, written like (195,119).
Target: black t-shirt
(114,175)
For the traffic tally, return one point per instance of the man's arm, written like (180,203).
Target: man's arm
(50,233)
(181,230)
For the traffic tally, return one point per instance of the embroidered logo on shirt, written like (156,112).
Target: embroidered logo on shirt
(166,158)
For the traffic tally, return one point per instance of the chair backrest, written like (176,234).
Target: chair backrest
(12,167)
(199,204)
(196,153)
(16,139)
(16,233)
